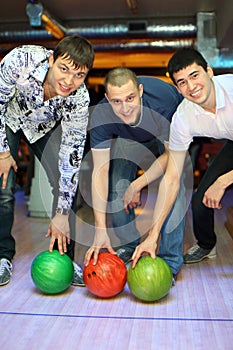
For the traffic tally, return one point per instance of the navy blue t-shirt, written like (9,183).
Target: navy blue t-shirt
(159,101)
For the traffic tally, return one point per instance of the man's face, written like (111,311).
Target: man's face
(126,101)
(63,77)
(196,85)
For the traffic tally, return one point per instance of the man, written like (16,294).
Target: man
(128,127)
(207,111)
(43,99)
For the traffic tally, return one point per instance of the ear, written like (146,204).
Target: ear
(210,71)
(51,60)
(140,87)
(106,96)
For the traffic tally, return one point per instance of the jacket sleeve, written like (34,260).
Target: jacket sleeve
(74,128)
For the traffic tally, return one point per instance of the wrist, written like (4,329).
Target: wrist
(224,181)
(4,155)
(62,211)
(139,183)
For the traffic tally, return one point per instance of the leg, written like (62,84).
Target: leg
(121,174)
(7,202)
(172,234)
(203,217)
(126,157)
(46,150)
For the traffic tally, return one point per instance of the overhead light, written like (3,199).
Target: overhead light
(34,11)
(37,14)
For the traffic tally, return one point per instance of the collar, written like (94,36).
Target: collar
(220,96)
(40,71)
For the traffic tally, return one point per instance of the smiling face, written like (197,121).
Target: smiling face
(196,85)
(63,76)
(126,101)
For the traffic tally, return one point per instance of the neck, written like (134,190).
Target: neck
(48,90)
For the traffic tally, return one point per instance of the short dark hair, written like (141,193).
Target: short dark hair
(119,76)
(183,58)
(76,48)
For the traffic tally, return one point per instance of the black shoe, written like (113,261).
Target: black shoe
(6,270)
(125,254)
(174,277)
(78,276)
(196,254)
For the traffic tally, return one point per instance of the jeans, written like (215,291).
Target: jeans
(46,150)
(203,217)
(126,157)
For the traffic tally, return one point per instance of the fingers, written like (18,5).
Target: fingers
(62,241)
(214,204)
(93,251)
(138,253)
(4,180)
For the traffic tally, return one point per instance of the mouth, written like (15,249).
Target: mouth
(65,89)
(196,93)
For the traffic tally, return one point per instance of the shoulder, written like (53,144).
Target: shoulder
(156,88)
(224,80)
(25,56)
(35,52)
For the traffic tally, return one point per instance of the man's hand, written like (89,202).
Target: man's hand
(59,229)
(148,246)
(6,162)
(101,240)
(213,196)
(131,198)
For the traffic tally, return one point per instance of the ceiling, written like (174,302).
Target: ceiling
(111,21)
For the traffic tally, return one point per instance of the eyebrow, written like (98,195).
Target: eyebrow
(190,75)
(68,68)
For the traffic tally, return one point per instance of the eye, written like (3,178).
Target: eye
(130,98)
(80,75)
(195,75)
(181,83)
(63,69)
(116,102)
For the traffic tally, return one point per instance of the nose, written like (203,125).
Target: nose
(68,79)
(190,84)
(124,107)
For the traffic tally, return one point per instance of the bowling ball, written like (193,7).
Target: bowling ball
(51,272)
(107,278)
(150,280)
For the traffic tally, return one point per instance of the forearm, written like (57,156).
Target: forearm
(155,171)
(99,198)
(167,194)
(225,180)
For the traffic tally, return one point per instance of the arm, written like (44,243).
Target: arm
(168,191)
(100,181)
(73,136)
(132,194)
(215,192)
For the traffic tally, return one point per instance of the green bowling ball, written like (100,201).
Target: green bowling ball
(150,280)
(51,272)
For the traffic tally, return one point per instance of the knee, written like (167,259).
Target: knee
(7,198)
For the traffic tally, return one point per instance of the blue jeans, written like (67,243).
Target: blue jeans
(126,157)
(46,150)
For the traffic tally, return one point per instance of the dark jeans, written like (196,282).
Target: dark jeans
(126,156)
(46,150)
(203,217)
